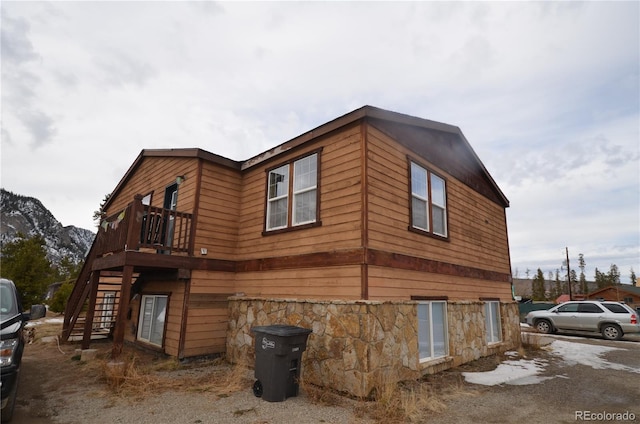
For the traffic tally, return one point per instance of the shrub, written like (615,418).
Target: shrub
(60,298)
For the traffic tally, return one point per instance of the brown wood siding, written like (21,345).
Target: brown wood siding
(154,175)
(212,282)
(342,282)
(450,150)
(219,205)
(477,226)
(398,284)
(339,168)
(207,324)
(207,314)
(173,320)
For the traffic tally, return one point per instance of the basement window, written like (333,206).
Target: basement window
(292,194)
(492,322)
(432,330)
(153,310)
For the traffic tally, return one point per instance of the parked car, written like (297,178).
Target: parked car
(611,319)
(12,322)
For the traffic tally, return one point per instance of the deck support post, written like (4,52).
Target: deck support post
(91,311)
(123,309)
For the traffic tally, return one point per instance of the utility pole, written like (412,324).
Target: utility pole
(568,274)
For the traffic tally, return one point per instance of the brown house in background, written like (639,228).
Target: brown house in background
(374,206)
(621,293)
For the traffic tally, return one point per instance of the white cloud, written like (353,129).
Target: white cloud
(546,93)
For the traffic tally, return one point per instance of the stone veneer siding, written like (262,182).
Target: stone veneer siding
(355,346)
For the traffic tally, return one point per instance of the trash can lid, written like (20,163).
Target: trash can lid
(282,330)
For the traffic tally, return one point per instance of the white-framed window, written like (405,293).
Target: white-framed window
(278,198)
(303,189)
(428,201)
(492,321)
(153,310)
(305,185)
(432,330)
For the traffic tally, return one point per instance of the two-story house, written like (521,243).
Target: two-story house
(382,232)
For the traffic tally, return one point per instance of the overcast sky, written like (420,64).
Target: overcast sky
(547,93)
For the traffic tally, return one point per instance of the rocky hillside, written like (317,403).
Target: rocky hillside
(27,215)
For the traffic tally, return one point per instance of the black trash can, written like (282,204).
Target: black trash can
(278,360)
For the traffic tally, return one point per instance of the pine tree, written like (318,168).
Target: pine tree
(601,280)
(634,279)
(67,269)
(557,290)
(614,275)
(99,215)
(538,286)
(24,261)
(584,288)
(574,281)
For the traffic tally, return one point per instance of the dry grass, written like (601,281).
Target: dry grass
(136,378)
(143,374)
(410,402)
(406,402)
(320,395)
(139,374)
(225,380)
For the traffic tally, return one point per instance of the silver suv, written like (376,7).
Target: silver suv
(611,319)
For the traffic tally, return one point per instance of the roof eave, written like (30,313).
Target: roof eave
(194,152)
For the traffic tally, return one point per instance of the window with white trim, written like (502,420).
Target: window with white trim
(153,310)
(428,201)
(432,330)
(303,189)
(278,198)
(492,321)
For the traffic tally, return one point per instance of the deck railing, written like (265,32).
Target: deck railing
(141,226)
(136,227)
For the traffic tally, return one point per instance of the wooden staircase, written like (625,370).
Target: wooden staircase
(104,312)
(138,239)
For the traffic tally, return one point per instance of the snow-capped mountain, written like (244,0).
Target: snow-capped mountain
(27,215)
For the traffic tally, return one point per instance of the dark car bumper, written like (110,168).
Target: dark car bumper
(9,378)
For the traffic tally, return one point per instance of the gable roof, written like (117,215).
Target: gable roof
(443,144)
(195,153)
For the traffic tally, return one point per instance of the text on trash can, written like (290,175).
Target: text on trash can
(268,344)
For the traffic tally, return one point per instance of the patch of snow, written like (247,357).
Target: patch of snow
(47,320)
(522,372)
(589,355)
(510,372)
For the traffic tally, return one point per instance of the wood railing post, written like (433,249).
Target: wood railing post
(135,223)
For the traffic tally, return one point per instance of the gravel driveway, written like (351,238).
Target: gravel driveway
(55,388)
(583,386)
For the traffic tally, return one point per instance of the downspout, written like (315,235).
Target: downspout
(506,234)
